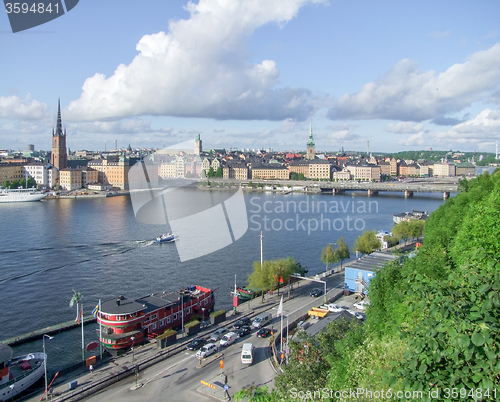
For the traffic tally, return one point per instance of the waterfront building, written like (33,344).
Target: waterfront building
(394,167)
(39,172)
(268,171)
(70,179)
(444,169)
(167,170)
(299,166)
(319,169)
(385,168)
(311,146)
(425,169)
(344,174)
(59,157)
(10,172)
(403,168)
(235,170)
(465,168)
(364,172)
(413,169)
(112,171)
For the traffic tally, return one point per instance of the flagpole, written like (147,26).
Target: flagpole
(100,328)
(83,341)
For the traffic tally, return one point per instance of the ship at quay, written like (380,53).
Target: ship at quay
(127,322)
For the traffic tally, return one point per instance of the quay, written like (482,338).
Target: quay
(53,329)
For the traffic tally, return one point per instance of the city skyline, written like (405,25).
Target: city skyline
(253,75)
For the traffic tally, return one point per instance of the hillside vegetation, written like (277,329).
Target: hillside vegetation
(432,330)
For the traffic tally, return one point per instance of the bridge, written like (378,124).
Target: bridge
(408,187)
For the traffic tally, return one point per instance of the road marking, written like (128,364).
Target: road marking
(165,369)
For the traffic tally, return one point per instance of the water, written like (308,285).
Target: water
(97,247)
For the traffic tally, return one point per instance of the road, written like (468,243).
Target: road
(179,377)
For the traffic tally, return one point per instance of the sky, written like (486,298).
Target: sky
(257,74)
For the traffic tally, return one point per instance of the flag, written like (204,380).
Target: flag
(80,315)
(95,310)
(280,308)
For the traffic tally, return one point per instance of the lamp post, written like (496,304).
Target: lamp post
(133,353)
(203,316)
(45,360)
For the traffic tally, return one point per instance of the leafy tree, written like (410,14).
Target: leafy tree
(301,176)
(367,243)
(22,183)
(211,172)
(31,182)
(342,251)
(281,270)
(6,184)
(294,176)
(417,228)
(261,278)
(329,256)
(402,231)
(218,173)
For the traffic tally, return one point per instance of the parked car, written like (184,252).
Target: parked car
(218,334)
(241,322)
(228,339)
(359,316)
(303,325)
(361,305)
(264,333)
(316,292)
(196,343)
(244,330)
(333,308)
(207,350)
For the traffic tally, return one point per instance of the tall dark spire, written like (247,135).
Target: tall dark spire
(59,131)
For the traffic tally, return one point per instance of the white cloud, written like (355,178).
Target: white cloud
(200,68)
(405,93)
(130,126)
(414,139)
(404,127)
(14,108)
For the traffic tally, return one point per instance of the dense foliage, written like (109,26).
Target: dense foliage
(433,322)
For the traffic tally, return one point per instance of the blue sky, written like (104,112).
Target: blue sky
(251,74)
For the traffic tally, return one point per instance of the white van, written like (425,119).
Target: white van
(261,320)
(228,339)
(206,350)
(247,353)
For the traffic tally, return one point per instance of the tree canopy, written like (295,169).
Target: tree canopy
(367,243)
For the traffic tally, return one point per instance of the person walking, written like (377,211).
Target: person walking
(91,368)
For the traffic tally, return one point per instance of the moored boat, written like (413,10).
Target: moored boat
(244,294)
(19,373)
(20,195)
(127,322)
(164,238)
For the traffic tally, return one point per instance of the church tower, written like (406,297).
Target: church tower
(59,155)
(197,145)
(311,150)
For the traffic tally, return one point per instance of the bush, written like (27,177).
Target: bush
(166,334)
(217,313)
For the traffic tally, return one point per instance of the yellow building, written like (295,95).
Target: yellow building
(10,172)
(70,179)
(112,172)
(270,172)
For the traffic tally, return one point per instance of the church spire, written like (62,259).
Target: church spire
(310,142)
(59,131)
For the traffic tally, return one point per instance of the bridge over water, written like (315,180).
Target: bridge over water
(444,186)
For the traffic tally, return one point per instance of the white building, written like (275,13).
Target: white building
(40,173)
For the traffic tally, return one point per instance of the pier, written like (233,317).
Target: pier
(53,329)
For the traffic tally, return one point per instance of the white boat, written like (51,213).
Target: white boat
(164,238)
(21,195)
(19,373)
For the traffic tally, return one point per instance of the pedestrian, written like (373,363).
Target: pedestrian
(91,368)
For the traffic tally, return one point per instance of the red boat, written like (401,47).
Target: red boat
(127,322)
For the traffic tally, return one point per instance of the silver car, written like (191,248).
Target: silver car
(218,334)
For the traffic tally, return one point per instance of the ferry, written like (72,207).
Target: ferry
(21,195)
(19,373)
(410,216)
(127,322)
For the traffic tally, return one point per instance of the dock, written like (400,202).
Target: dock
(53,329)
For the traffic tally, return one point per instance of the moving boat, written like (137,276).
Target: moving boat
(164,238)
(19,373)
(127,322)
(21,195)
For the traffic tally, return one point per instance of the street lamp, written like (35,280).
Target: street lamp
(203,316)
(45,360)
(133,353)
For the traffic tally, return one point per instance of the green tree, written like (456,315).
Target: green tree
(293,176)
(22,183)
(15,184)
(329,256)
(281,270)
(417,228)
(342,251)
(367,243)
(301,176)
(261,278)
(218,172)
(211,172)
(6,184)
(31,182)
